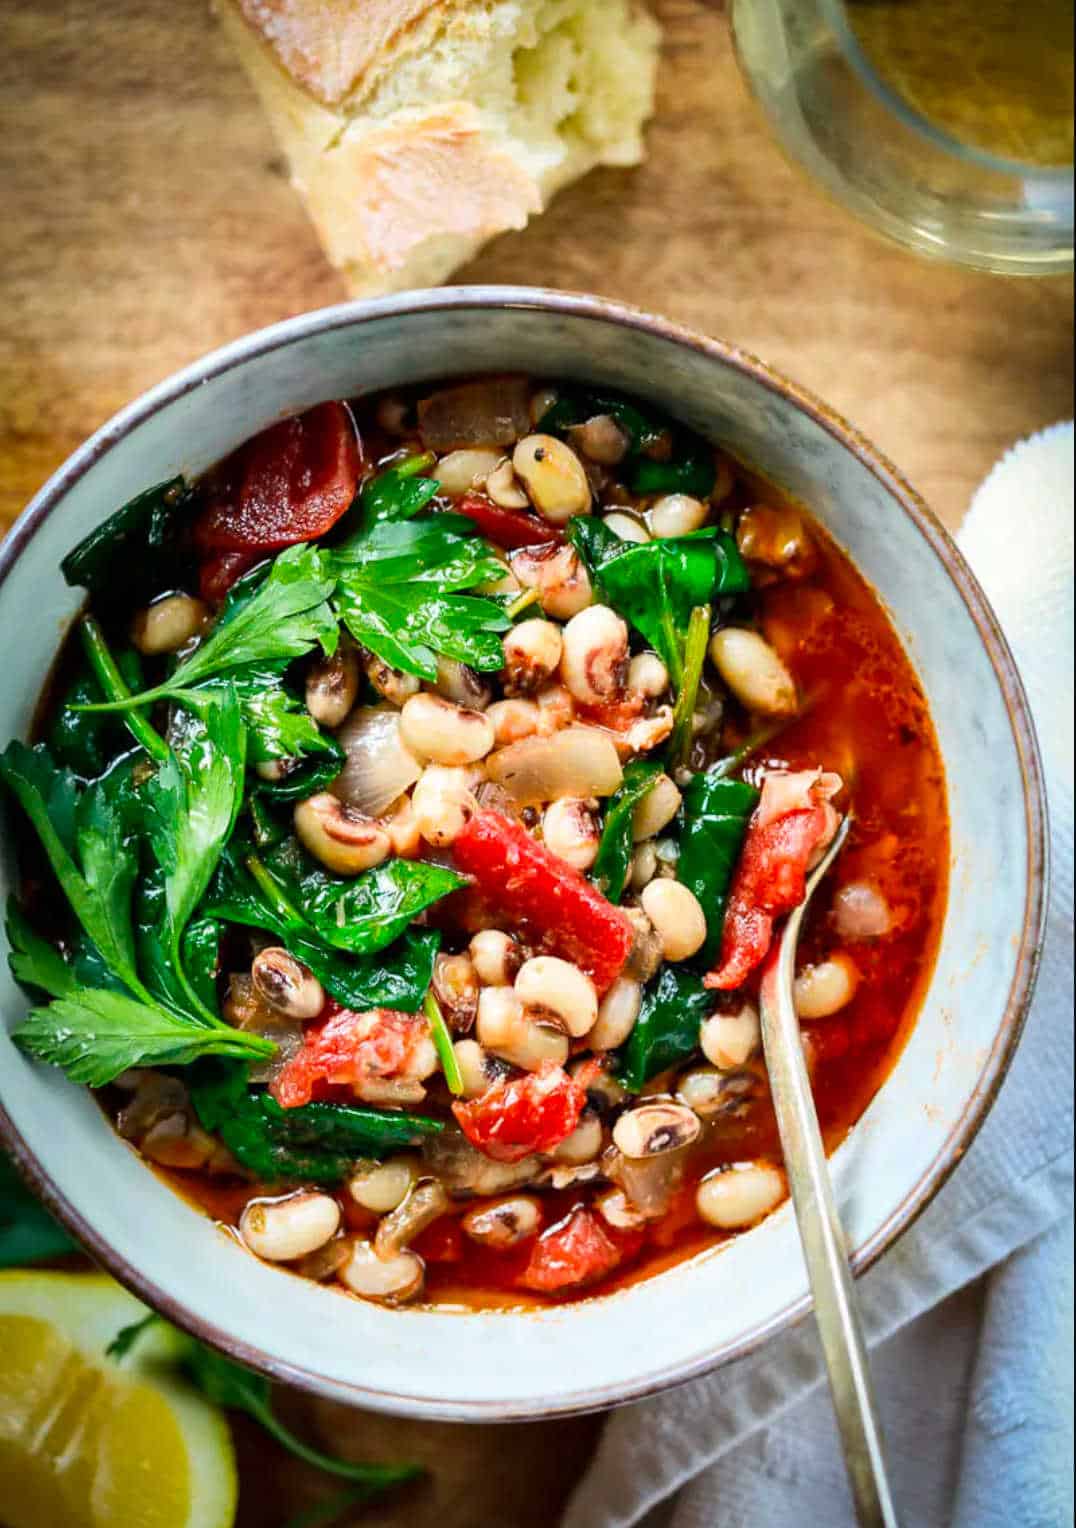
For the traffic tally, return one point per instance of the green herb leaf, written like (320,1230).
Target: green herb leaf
(398,493)
(228,1384)
(398,593)
(89,846)
(33,961)
(667,1029)
(716,812)
(83,741)
(96,1035)
(138,550)
(268,622)
(314,1143)
(610,871)
(127,1337)
(442,1041)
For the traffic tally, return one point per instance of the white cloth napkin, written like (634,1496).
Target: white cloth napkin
(970,1315)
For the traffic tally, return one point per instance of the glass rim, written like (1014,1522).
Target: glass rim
(836,11)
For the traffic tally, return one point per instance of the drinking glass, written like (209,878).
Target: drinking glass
(924,182)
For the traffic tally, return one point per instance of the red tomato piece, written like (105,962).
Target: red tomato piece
(521,1115)
(345,1049)
(770,880)
(290,483)
(577,1251)
(537,892)
(508,528)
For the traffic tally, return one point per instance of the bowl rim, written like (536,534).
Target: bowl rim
(992,1074)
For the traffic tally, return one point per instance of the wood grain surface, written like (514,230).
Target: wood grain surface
(147,219)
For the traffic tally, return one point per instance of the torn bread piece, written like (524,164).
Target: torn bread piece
(416,130)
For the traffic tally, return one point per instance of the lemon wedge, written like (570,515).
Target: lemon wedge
(88,1442)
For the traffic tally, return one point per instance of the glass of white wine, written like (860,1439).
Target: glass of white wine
(946,124)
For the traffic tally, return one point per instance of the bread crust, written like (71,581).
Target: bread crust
(332,47)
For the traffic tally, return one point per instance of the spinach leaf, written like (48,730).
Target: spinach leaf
(691,471)
(696,640)
(657,586)
(316,773)
(191,807)
(667,1029)
(271,621)
(137,550)
(613,859)
(397,976)
(316,1142)
(28,1233)
(227,1384)
(94,1035)
(89,845)
(575,405)
(201,959)
(399,492)
(367,912)
(716,812)
(398,593)
(690,466)
(84,741)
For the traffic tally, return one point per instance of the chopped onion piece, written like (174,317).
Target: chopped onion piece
(577,761)
(379,768)
(492,412)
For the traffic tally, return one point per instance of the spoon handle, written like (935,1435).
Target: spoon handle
(823,1240)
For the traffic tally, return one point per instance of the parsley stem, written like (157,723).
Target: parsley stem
(442,1042)
(522,602)
(377,1477)
(698,633)
(115,688)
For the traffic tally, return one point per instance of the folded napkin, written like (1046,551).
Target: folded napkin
(970,1315)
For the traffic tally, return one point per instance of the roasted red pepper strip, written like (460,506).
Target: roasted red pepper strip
(508,528)
(345,1049)
(577,1251)
(770,880)
(538,893)
(519,1116)
(290,483)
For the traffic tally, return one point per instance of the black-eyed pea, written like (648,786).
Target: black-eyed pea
(556,709)
(402,828)
(824,989)
(168,624)
(344,840)
(505,1028)
(513,720)
(473,1068)
(443,803)
(460,683)
(601,440)
(651,1129)
(676,916)
(548,984)
(677,514)
(595,660)
(735,1197)
(562,582)
(392,684)
(503,1224)
(281,1230)
(708,1091)
(176,1141)
(332,685)
(286,984)
(571,832)
(583,1145)
(617,1013)
(465,471)
(390,1280)
(496,957)
(504,487)
(553,476)
(439,732)
(644,865)
(860,911)
(614,1208)
(382,1186)
(647,676)
(425,1202)
(532,654)
(656,810)
(626,527)
(455,986)
(753,671)
(727,1040)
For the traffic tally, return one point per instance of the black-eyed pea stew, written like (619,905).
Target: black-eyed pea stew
(456,755)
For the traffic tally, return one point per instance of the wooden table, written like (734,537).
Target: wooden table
(147,219)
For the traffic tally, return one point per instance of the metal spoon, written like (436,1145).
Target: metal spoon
(824,1248)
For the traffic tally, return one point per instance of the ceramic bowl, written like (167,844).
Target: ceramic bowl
(498,1365)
